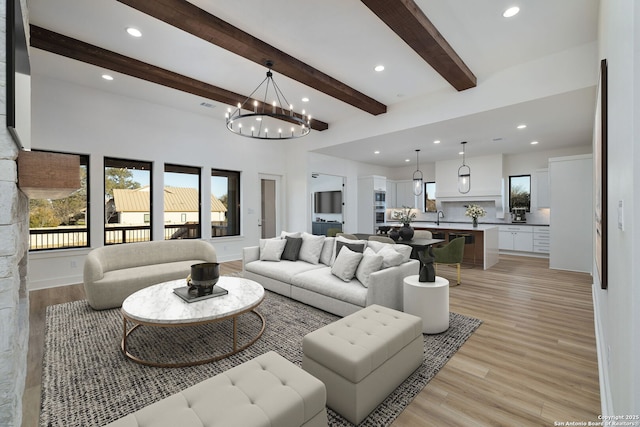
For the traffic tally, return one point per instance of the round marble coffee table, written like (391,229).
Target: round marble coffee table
(158,306)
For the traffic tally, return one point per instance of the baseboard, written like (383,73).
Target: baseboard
(606,402)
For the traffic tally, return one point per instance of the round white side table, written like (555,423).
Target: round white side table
(428,300)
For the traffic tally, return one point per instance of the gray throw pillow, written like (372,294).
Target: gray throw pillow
(355,247)
(292,248)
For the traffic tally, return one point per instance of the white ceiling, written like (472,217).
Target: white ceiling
(345,40)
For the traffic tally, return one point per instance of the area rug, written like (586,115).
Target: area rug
(86,381)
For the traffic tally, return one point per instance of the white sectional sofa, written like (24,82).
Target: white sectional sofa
(316,277)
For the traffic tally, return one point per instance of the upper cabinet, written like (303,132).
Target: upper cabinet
(486,178)
(541,190)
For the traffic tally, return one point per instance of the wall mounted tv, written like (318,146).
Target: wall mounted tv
(328,201)
(18,75)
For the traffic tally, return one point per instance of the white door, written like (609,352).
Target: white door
(269,190)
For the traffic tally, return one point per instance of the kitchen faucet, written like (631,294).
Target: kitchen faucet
(439,215)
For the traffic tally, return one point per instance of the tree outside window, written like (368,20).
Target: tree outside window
(520,192)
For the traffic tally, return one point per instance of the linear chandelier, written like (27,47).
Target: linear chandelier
(264,120)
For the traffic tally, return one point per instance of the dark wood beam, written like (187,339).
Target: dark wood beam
(184,15)
(408,21)
(59,44)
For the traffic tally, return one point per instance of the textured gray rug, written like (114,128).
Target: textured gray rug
(86,381)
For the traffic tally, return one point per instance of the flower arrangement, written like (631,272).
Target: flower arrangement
(404,215)
(475,211)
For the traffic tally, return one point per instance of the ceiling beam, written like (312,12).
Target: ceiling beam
(59,44)
(184,15)
(408,21)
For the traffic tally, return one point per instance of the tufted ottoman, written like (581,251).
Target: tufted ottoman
(265,391)
(363,357)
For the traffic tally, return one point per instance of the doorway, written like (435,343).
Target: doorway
(269,191)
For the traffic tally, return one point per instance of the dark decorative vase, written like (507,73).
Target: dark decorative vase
(203,276)
(475,222)
(394,234)
(406,232)
(427,270)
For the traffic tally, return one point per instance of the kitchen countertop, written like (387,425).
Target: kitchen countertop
(458,225)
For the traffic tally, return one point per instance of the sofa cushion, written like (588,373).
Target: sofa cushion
(405,250)
(283,271)
(391,257)
(311,248)
(345,240)
(272,250)
(369,263)
(346,264)
(327,250)
(292,248)
(323,282)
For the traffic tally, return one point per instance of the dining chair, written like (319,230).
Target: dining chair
(450,254)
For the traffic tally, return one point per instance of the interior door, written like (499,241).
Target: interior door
(268,207)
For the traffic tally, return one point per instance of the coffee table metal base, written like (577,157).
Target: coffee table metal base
(136,324)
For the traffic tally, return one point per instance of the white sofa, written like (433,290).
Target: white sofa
(112,273)
(315,284)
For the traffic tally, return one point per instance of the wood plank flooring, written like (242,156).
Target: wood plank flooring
(532,362)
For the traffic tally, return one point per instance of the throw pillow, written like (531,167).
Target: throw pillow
(346,264)
(292,234)
(356,247)
(327,251)
(370,263)
(292,248)
(344,239)
(376,246)
(311,248)
(272,250)
(405,250)
(391,258)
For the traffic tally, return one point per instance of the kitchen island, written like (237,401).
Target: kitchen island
(481,242)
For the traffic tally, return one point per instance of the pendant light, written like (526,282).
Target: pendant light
(418,183)
(464,175)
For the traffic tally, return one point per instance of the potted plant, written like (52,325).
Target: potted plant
(475,211)
(405,216)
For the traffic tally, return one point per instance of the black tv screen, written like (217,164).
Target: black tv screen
(328,202)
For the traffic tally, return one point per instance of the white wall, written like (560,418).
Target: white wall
(617,309)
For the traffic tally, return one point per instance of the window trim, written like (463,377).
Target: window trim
(425,196)
(238,210)
(528,208)
(189,170)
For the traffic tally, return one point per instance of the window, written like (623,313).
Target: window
(182,207)
(225,203)
(127,211)
(430,197)
(61,223)
(520,192)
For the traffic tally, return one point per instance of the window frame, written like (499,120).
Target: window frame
(237,212)
(189,170)
(528,207)
(434,196)
(85,160)
(115,162)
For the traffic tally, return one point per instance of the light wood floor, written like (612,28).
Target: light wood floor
(532,362)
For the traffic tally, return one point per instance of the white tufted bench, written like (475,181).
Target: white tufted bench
(363,357)
(265,391)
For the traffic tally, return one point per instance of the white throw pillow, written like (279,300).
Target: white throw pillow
(405,250)
(327,251)
(311,248)
(346,264)
(376,246)
(344,239)
(290,234)
(272,250)
(370,263)
(391,257)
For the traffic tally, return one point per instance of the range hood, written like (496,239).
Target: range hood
(487,182)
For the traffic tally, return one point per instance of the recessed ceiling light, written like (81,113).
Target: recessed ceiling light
(134,32)
(437,141)
(522,126)
(407,160)
(379,68)
(305,99)
(107,77)
(534,142)
(376,152)
(461,152)
(512,11)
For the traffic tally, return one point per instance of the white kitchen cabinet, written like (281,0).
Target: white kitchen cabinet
(367,186)
(404,194)
(515,238)
(541,239)
(379,183)
(541,181)
(391,194)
